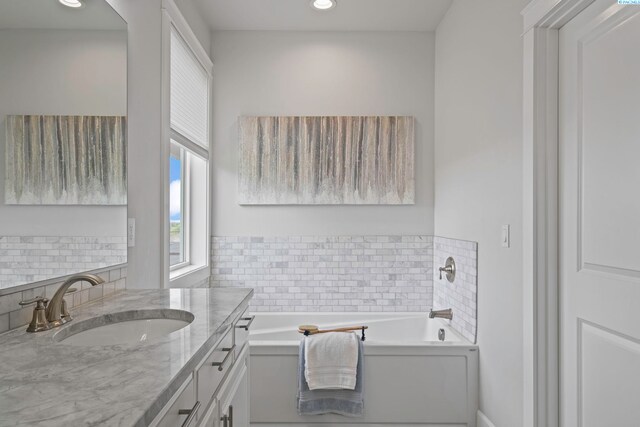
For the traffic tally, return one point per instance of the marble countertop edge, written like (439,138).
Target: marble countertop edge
(165,396)
(112,385)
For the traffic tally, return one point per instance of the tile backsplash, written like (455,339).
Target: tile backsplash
(13,316)
(34,258)
(316,273)
(351,273)
(462,294)
(320,273)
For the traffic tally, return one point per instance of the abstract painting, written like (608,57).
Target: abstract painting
(66,160)
(327,160)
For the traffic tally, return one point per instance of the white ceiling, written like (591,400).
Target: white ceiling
(51,15)
(349,15)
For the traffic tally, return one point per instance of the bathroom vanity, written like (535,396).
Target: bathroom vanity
(195,372)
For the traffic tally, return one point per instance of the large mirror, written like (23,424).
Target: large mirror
(63,128)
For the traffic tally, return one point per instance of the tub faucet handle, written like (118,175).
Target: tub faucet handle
(449,268)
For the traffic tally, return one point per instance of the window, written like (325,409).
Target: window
(189,94)
(177,255)
(188,139)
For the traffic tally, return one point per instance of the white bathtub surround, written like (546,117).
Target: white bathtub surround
(461,295)
(384,328)
(404,363)
(13,316)
(333,274)
(28,259)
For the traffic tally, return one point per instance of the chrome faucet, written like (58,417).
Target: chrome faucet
(445,314)
(57,313)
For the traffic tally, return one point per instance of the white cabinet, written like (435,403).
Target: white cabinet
(182,409)
(241,332)
(240,401)
(217,392)
(212,417)
(215,368)
(234,394)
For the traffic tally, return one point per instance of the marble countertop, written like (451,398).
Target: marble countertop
(44,382)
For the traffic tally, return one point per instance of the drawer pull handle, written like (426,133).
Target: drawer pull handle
(220,364)
(227,420)
(191,414)
(250,321)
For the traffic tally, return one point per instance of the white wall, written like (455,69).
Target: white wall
(145,189)
(145,178)
(196,22)
(61,72)
(478,184)
(323,73)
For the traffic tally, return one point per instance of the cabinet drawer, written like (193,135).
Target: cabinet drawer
(215,368)
(234,395)
(212,416)
(184,410)
(241,331)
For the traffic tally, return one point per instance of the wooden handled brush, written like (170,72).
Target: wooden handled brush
(314,329)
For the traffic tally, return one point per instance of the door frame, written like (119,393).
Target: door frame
(542,21)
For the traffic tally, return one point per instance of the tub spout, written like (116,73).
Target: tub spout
(445,314)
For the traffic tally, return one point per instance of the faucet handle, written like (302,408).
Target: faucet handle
(39,301)
(65,316)
(449,268)
(39,320)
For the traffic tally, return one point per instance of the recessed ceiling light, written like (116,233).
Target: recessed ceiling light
(323,4)
(71,3)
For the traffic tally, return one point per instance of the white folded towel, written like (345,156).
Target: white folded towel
(331,360)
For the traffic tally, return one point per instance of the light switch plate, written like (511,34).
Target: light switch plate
(131,232)
(506,236)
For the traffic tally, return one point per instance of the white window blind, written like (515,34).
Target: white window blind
(189,108)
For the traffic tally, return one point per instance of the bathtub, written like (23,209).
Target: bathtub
(411,377)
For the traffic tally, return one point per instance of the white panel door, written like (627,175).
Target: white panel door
(599,199)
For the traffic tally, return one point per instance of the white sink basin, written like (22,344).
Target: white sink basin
(134,331)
